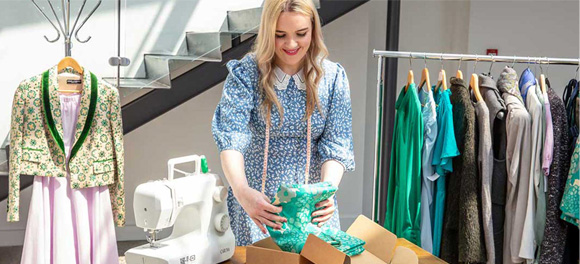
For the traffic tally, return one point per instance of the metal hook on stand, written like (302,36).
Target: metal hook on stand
(65,30)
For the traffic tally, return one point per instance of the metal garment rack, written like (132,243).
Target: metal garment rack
(382,54)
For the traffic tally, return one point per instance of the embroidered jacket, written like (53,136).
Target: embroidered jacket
(37,148)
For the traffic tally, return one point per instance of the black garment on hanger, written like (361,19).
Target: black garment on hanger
(569,97)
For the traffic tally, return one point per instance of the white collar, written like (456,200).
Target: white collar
(282,79)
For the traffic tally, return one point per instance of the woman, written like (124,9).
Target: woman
(287,81)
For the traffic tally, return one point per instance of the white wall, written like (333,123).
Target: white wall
(547,28)
(544,29)
(187,129)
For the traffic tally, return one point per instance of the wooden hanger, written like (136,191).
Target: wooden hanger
(425,79)
(543,78)
(410,76)
(70,62)
(543,83)
(459,74)
(442,78)
(474,84)
(410,80)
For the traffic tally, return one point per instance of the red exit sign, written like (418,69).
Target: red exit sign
(492,52)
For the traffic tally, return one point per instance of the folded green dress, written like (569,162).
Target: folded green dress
(298,203)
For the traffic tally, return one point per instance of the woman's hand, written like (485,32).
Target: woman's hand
(323,215)
(259,208)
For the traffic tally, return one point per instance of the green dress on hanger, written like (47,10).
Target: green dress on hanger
(403,215)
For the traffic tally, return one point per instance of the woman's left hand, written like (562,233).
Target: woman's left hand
(325,213)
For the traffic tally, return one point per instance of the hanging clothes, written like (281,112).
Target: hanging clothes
(428,173)
(536,201)
(444,152)
(570,95)
(518,158)
(462,239)
(548,148)
(552,247)
(71,217)
(403,216)
(571,198)
(485,166)
(570,101)
(497,116)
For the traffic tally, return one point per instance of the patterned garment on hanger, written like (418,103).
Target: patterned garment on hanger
(298,203)
(571,199)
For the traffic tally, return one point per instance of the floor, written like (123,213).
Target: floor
(11,255)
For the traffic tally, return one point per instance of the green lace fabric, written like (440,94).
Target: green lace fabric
(298,203)
(571,198)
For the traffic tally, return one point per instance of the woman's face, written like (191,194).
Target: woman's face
(293,36)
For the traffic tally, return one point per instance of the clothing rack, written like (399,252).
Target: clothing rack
(65,29)
(381,54)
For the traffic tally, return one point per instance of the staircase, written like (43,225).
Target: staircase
(199,65)
(198,47)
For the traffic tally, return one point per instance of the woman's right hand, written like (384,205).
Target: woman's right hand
(258,207)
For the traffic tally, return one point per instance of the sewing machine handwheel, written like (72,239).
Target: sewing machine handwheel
(222,222)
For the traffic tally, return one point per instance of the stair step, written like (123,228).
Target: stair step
(137,83)
(244,21)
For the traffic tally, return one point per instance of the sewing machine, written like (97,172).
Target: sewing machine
(195,205)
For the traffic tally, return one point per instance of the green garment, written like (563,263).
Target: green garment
(443,154)
(298,203)
(403,216)
(571,198)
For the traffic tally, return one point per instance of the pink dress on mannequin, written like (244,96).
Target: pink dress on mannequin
(69,225)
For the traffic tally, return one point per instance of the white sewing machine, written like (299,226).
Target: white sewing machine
(195,205)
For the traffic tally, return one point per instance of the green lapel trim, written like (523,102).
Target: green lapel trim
(48,113)
(91,114)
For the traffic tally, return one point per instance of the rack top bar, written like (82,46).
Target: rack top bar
(473,57)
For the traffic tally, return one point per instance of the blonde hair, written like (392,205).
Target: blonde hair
(264,50)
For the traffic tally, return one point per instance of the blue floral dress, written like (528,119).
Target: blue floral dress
(239,125)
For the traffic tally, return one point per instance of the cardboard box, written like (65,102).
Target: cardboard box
(380,248)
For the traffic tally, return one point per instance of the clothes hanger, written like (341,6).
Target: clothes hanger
(513,62)
(459,74)
(442,80)
(474,82)
(69,62)
(542,79)
(491,66)
(425,76)
(410,77)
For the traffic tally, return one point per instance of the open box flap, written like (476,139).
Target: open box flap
(266,251)
(404,255)
(379,241)
(320,252)
(366,258)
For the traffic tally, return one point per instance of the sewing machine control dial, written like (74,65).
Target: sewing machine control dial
(222,222)
(220,194)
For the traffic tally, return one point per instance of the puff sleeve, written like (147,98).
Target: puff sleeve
(336,140)
(231,118)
